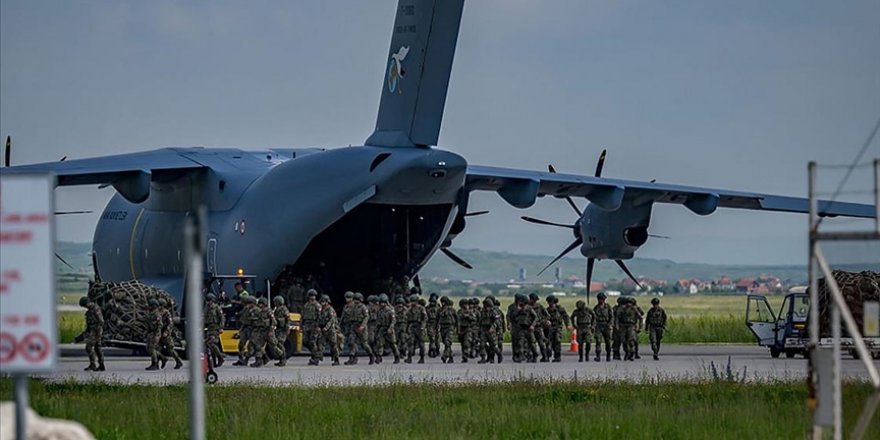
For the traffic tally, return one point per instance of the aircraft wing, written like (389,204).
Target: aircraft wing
(111,169)
(520,188)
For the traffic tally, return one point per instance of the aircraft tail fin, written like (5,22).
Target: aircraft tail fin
(417,73)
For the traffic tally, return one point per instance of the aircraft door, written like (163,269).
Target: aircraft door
(761,320)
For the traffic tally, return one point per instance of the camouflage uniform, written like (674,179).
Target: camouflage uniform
(628,319)
(557,317)
(400,311)
(416,317)
(655,323)
(167,341)
(474,334)
(447,323)
(499,336)
(154,327)
(466,320)
(542,327)
(214,321)
(309,317)
(282,330)
(490,324)
(433,310)
(616,338)
(357,334)
(246,318)
(328,327)
(604,315)
(512,310)
(584,322)
(526,319)
(386,319)
(94,335)
(262,328)
(372,310)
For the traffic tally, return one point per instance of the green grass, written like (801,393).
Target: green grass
(516,410)
(70,325)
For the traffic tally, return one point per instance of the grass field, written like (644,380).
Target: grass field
(70,325)
(518,410)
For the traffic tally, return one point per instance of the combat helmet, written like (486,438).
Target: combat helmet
(413,298)
(520,298)
(349,295)
(621,300)
(475,301)
(601,295)
(445,300)
(655,301)
(383,298)
(580,304)
(433,297)
(462,302)
(399,300)
(325,299)
(533,297)
(422,302)
(210,297)
(311,293)
(552,299)
(84,301)
(372,299)
(359,296)
(248,300)
(278,300)
(488,301)
(263,301)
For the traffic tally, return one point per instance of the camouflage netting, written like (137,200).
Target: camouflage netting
(856,288)
(125,309)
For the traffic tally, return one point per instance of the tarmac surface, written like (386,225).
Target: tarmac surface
(677,362)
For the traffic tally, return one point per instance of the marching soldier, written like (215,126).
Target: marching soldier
(309,316)
(373,310)
(526,320)
(328,327)
(628,319)
(604,324)
(489,325)
(400,311)
(433,309)
(465,321)
(357,318)
(282,329)
(167,341)
(616,335)
(94,334)
(474,333)
(447,324)
(639,327)
(214,322)
(262,327)
(154,335)
(499,335)
(386,318)
(557,317)
(584,322)
(542,327)
(246,318)
(416,317)
(512,310)
(655,324)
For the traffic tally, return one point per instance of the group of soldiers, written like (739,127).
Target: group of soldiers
(378,328)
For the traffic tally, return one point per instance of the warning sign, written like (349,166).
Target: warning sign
(28,333)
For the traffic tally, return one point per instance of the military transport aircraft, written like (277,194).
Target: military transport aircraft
(351,216)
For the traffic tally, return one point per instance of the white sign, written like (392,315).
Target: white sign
(28,327)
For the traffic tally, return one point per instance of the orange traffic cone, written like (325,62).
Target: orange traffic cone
(574,342)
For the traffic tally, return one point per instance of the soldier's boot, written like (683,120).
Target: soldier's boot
(482,360)
(153,366)
(335,360)
(281,362)
(464,358)
(163,361)
(240,362)
(557,357)
(177,363)
(258,362)
(408,358)
(354,360)
(91,367)
(422,359)
(581,353)
(219,360)
(372,359)
(607,356)
(500,356)
(656,357)
(636,353)
(397,358)
(350,360)
(616,355)
(314,361)
(598,354)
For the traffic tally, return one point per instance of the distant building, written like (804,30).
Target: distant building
(522,274)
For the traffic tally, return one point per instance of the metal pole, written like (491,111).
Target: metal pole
(837,407)
(812,376)
(194,325)
(21,406)
(877,195)
(867,414)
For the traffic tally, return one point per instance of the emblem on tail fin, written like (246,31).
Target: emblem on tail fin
(395,70)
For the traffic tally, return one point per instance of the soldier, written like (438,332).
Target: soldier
(558,316)
(489,325)
(447,324)
(416,317)
(542,327)
(499,335)
(262,327)
(309,317)
(433,309)
(526,320)
(604,324)
(400,311)
(512,310)
(655,324)
(584,322)
(282,329)
(94,334)
(154,327)
(357,318)
(385,321)
(167,341)
(474,334)
(616,338)
(246,318)
(639,327)
(349,302)
(373,310)
(464,330)
(328,327)
(628,319)
(214,322)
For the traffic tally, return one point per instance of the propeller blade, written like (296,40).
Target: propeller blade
(7,152)
(601,164)
(63,159)
(665,237)
(564,252)
(545,222)
(62,260)
(625,269)
(567,198)
(456,258)
(590,263)
(474,214)
(72,212)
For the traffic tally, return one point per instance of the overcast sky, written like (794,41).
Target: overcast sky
(723,94)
